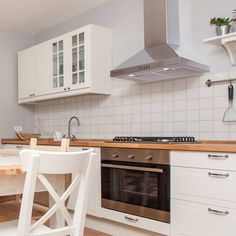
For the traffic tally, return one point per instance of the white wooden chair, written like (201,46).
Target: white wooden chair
(37,164)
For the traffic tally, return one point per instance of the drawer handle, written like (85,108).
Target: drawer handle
(19,146)
(132,220)
(216,175)
(218,157)
(216,212)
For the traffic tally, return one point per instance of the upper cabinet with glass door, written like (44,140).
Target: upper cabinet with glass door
(57,62)
(78,62)
(77,70)
(90,60)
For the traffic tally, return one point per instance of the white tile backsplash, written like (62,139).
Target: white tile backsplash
(179,107)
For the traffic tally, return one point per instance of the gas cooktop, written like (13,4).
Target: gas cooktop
(130,139)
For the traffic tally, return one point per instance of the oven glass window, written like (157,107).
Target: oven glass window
(136,187)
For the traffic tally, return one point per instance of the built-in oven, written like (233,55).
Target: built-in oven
(136,181)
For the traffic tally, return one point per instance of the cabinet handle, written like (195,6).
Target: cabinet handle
(132,220)
(216,175)
(218,157)
(216,212)
(19,146)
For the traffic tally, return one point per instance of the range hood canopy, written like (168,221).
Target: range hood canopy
(158,60)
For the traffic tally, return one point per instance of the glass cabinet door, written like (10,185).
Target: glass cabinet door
(58,64)
(78,59)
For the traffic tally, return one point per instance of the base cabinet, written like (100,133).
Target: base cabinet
(94,201)
(194,219)
(203,194)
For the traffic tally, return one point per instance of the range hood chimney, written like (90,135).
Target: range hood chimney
(158,60)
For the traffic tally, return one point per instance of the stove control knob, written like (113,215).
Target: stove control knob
(131,156)
(115,155)
(148,157)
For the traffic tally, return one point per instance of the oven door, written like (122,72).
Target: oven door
(137,188)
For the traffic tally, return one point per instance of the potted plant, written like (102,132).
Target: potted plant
(222,25)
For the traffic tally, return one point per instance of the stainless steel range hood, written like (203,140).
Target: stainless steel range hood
(159,60)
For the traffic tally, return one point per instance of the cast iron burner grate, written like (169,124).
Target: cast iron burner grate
(183,139)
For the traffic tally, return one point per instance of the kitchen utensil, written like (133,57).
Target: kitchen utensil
(230,113)
(26,135)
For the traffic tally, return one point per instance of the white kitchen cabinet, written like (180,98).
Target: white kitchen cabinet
(161,228)
(209,185)
(203,194)
(194,219)
(25,73)
(57,68)
(15,146)
(94,201)
(32,72)
(75,63)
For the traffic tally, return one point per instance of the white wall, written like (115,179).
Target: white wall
(11,113)
(184,107)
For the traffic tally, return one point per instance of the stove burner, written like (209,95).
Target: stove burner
(154,139)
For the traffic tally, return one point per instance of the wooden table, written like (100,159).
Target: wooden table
(12,182)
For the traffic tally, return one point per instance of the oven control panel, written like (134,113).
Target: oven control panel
(136,155)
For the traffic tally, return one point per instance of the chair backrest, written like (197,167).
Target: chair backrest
(37,164)
(62,148)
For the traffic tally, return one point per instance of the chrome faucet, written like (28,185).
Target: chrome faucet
(69,126)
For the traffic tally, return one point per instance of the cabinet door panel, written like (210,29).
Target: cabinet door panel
(57,68)
(205,160)
(94,201)
(78,59)
(192,219)
(25,73)
(41,69)
(203,183)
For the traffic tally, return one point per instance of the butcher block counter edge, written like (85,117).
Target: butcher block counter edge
(211,146)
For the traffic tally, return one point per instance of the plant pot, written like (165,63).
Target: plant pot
(222,30)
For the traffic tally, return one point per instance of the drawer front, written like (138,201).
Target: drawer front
(203,183)
(208,160)
(15,146)
(161,228)
(192,219)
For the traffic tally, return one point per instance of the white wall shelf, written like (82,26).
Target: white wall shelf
(228,41)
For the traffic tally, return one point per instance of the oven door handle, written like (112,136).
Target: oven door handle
(157,170)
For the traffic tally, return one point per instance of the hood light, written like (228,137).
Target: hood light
(131,75)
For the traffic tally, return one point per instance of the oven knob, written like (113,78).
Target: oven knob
(148,157)
(115,155)
(131,156)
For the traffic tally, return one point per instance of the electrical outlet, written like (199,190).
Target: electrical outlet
(18,128)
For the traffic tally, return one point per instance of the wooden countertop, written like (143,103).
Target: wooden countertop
(205,145)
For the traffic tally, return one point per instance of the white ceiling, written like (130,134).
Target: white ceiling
(32,16)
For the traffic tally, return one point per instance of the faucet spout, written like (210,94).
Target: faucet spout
(69,125)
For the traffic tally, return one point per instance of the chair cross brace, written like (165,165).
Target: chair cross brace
(59,202)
